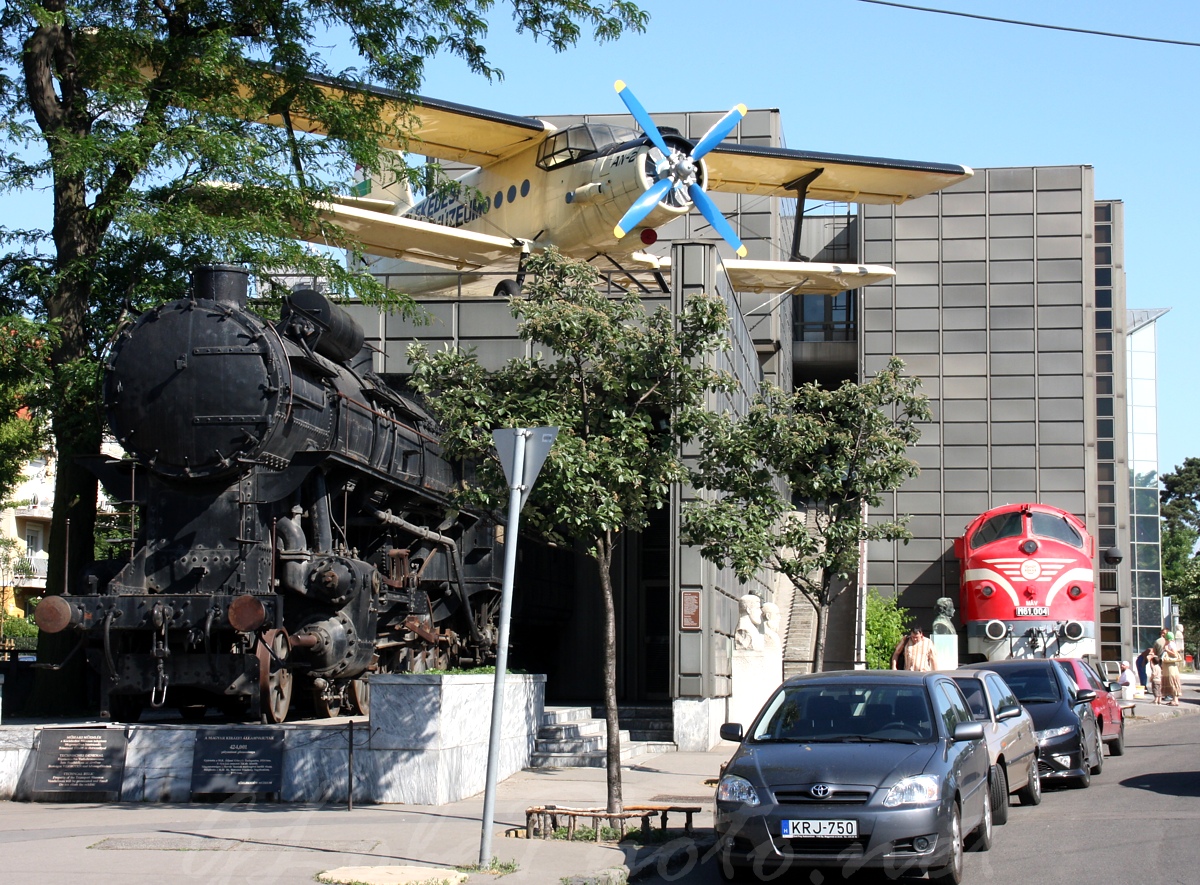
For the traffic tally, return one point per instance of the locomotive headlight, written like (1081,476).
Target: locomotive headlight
(1029,547)
(986,590)
(1073,630)
(995,630)
(246,614)
(1075,592)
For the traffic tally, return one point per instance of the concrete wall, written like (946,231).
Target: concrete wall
(992,306)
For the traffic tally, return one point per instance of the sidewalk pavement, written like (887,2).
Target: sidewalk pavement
(137,844)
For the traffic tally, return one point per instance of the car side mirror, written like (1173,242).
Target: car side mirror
(732,731)
(967,731)
(1114,687)
(1008,711)
(1085,696)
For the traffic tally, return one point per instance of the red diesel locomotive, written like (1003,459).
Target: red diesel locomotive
(1027,585)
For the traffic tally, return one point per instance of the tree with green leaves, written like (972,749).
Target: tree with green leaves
(837,451)
(626,389)
(1180,500)
(886,624)
(121,112)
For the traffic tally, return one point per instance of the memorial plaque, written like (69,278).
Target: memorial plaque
(243,760)
(80,764)
(689,610)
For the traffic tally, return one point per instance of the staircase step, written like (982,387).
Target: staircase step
(564,715)
(562,731)
(597,758)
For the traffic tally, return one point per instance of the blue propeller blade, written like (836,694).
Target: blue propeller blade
(642,205)
(642,118)
(719,130)
(710,211)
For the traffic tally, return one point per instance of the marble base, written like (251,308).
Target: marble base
(426,744)
(945,650)
(756,675)
(698,723)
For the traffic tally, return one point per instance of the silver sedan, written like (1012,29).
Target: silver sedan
(1009,734)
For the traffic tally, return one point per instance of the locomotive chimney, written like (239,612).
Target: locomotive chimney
(222,283)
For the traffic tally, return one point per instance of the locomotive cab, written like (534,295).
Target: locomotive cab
(1027,586)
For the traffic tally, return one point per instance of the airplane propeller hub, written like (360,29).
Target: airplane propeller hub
(677,174)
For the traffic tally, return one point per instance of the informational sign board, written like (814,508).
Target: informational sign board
(237,760)
(689,610)
(80,764)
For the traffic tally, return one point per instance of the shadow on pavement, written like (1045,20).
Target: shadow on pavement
(1167,783)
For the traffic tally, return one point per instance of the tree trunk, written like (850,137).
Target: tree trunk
(822,625)
(604,554)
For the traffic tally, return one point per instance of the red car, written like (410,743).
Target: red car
(1106,705)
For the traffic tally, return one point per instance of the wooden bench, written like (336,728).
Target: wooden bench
(1128,710)
(546,818)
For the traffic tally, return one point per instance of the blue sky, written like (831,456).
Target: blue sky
(853,77)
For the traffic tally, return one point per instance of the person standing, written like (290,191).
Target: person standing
(1128,680)
(1160,643)
(1140,663)
(916,651)
(1154,676)
(1171,659)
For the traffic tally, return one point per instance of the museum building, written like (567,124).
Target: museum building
(1008,302)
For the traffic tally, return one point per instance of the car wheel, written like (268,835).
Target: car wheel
(952,872)
(1116,747)
(998,789)
(981,839)
(1031,793)
(1098,766)
(1084,780)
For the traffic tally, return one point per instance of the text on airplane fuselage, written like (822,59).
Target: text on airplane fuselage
(455,207)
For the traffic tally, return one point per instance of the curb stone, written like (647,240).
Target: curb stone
(611,876)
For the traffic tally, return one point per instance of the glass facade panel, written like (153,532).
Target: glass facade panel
(1146,562)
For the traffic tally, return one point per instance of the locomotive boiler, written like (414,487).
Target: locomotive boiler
(1027,583)
(295,525)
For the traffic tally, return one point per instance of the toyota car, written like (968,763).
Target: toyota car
(856,769)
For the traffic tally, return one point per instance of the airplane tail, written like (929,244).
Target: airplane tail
(387,186)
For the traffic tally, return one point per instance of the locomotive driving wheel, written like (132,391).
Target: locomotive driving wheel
(359,691)
(274,677)
(329,700)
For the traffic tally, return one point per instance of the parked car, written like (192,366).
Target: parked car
(1069,747)
(1106,705)
(856,769)
(1008,732)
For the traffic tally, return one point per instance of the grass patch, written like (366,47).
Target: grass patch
(611,834)
(495,866)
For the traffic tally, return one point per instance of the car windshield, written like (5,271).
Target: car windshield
(863,712)
(973,691)
(1033,685)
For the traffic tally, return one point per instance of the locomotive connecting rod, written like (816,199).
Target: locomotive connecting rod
(450,544)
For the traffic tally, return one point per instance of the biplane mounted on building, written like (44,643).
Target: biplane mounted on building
(599,190)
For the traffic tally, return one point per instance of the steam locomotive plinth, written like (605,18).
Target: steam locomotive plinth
(425,743)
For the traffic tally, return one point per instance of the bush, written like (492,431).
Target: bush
(886,625)
(11,628)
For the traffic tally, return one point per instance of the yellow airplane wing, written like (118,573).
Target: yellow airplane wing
(441,129)
(776,172)
(420,241)
(798,277)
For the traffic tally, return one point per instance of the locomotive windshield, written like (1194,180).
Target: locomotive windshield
(1008,525)
(1051,525)
(1002,525)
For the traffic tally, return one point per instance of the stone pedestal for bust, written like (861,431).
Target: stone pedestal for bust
(945,649)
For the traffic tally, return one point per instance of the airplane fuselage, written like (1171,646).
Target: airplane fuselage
(573,206)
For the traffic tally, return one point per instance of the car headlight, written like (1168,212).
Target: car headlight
(1051,733)
(924,789)
(736,789)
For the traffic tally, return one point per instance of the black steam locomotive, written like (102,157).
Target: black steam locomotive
(296,526)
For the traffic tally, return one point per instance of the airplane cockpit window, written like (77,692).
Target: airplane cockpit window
(577,142)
